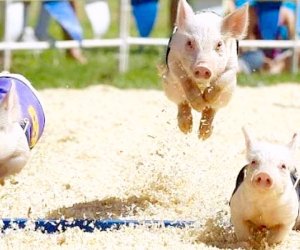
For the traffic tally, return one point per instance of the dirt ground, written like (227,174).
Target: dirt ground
(111,153)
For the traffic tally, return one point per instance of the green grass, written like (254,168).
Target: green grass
(264,79)
(52,68)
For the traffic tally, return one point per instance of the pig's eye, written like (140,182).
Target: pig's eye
(283,166)
(189,44)
(253,162)
(219,45)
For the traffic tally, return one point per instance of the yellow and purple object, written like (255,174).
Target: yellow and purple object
(32,112)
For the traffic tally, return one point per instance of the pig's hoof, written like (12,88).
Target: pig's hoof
(206,127)
(185,124)
(184,117)
(205,131)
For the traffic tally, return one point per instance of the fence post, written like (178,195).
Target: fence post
(124,33)
(7,51)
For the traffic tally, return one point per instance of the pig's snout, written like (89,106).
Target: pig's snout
(202,72)
(262,180)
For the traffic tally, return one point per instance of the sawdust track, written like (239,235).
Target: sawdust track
(118,153)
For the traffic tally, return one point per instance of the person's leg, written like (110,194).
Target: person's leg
(41,29)
(251,61)
(75,53)
(287,17)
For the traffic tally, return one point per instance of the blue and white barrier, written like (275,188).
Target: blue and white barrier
(86,225)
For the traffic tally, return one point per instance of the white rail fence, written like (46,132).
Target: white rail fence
(124,41)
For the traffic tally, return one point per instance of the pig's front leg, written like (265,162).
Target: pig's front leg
(278,233)
(206,128)
(192,92)
(242,230)
(220,91)
(184,117)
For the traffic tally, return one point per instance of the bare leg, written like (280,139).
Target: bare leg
(75,53)
(184,117)
(206,128)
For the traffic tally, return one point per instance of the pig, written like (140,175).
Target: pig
(202,63)
(22,121)
(266,195)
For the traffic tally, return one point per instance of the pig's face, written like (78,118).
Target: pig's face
(204,43)
(269,165)
(200,47)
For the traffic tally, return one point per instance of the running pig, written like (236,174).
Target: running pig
(22,122)
(266,196)
(202,63)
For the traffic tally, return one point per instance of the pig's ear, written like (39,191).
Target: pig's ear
(236,24)
(293,143)
(249,138)
(184,14)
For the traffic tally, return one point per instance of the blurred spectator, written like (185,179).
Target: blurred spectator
(25,17)
(250,59)
(272,28)
(287,17)
(144,13)
(41,30)
(269,20)
(213,5)
(98,12)
(75,53)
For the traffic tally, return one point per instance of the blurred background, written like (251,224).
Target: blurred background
(76,43)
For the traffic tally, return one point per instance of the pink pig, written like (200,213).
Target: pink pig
(202,63)
(266,196)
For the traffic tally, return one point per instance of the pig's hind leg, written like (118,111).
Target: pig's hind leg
(206,128)
(184,117)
